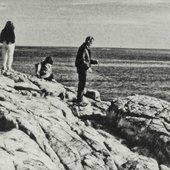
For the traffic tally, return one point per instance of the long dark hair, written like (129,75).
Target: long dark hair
(9,26)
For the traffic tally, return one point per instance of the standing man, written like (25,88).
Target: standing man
(83,64)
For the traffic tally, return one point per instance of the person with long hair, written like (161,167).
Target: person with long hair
(7,38)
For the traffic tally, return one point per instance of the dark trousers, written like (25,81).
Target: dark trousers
(82,74)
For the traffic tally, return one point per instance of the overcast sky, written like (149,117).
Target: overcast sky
(113,23)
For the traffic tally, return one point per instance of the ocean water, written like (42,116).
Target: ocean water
(120,72)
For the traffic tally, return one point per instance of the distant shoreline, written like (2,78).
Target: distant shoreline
(104,48)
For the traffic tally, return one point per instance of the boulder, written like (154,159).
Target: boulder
(70,96)
(7,84)
(22,152)
(28,86)
(93,94)
(38,132)
(163,167)
(49,88)
(17,76)
(144,121)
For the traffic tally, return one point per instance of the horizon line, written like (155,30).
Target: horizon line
(133,48)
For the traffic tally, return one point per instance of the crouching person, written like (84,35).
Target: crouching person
(44,69)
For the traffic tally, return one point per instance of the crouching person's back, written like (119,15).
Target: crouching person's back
(44,69)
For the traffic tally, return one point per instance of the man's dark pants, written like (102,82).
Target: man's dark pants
(82,74)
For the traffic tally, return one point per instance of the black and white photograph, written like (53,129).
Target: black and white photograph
(84,85)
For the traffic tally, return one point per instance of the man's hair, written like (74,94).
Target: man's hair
(89,38)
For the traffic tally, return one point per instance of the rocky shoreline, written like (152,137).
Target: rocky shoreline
(42,128)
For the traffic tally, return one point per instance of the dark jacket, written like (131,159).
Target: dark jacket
(83,59)
(8,36)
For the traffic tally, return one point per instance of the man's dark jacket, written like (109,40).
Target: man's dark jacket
(83,59)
